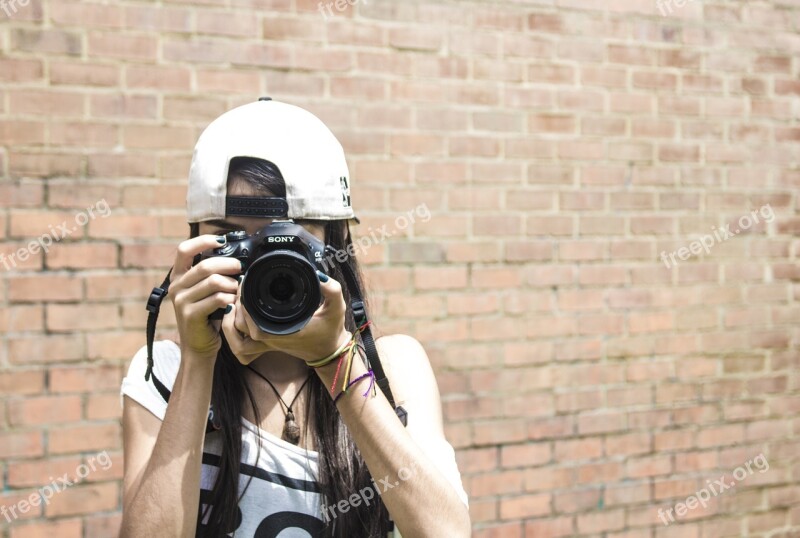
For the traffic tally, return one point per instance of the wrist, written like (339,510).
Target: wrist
(341,343)
(344,336)
(333,374)
(358,382)
(198,361)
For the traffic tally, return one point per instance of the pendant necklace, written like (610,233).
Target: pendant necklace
(291,431)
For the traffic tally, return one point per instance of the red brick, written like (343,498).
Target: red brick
(114,45)
(525,455)
(37,473)
(22,382)
(84,499)
(96,437)
(38,349)
(571,451)
(81,74)
(601,521)
(45,410)
(558,161)
(15,70)
(554,528)
(82,256)
(63,528)
(21,444)
(525,506)
(47,41)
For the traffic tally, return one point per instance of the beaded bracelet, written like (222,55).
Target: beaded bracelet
(369,374)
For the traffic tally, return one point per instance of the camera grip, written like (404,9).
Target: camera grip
(217,314)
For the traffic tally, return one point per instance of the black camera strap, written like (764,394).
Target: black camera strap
(153,307)
(359,313)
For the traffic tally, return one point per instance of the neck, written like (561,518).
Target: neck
(280,367)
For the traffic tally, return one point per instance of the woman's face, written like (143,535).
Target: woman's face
(249,224)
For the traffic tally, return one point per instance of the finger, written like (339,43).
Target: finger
(210,285)
(240,345)
(211,266)
(232,334)
(190,248)
(209,305)
(331,293)
(239,322)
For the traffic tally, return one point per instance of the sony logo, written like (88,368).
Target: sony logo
(280,239)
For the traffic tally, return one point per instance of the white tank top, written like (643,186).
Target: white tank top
(283,497)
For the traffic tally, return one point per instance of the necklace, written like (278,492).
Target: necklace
(291,431)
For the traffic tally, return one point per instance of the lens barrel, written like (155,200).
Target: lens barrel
(281,292)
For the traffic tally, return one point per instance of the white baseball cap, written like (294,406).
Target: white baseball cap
(308,155)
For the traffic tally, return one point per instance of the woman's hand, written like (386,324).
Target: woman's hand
(198,291)
(324,333)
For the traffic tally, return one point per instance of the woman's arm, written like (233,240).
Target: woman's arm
(162,460)
(424,503)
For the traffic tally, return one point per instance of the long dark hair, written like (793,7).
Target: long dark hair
(342,470)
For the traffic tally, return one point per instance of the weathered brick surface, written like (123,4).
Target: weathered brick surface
(544,168)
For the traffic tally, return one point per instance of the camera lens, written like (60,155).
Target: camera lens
(282,289)
(281,292)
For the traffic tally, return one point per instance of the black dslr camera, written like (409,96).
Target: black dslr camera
(280,289)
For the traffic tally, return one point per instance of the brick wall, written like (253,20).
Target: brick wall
(560,147)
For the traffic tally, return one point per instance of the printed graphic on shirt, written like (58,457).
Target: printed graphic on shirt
(262,512)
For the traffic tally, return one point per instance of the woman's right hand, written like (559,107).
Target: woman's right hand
(197,291)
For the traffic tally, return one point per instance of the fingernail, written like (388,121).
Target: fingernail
(241,277)
(322,276)
(242,262)
(228,308)
(221,239)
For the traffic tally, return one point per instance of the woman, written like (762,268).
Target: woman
(350,467)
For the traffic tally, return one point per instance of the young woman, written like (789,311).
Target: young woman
(349,468)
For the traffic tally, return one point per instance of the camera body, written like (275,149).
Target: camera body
(280,289)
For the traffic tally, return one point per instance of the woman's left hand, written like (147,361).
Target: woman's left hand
(323,334)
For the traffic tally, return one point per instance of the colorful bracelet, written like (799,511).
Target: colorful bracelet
(369,374)
(342,349)
(329,359)
(336,375)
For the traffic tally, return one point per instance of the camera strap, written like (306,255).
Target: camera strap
(359,313)
(153,307)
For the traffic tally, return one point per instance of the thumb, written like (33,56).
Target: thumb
(331,290)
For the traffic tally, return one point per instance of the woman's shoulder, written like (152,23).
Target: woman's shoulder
(166,362)
(399,345)
(403,359)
